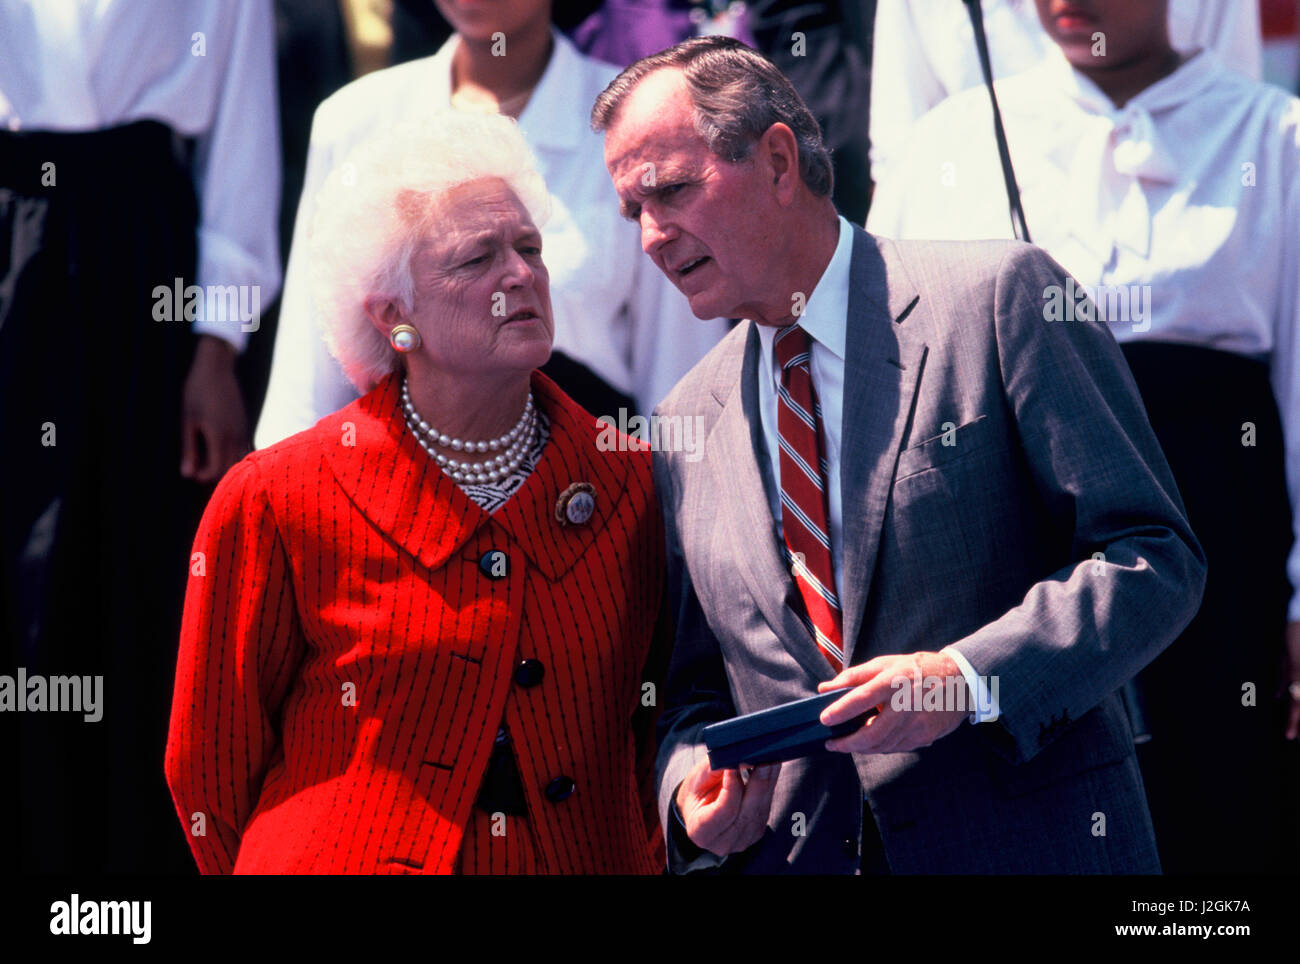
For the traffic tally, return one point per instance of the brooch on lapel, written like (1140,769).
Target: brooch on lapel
(576,504)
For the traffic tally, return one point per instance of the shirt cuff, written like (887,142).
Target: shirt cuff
(986,707)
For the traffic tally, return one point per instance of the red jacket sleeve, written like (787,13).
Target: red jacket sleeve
(241,643)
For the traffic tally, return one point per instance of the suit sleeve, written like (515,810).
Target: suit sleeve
(696,694)
(1136,572)
(241,643)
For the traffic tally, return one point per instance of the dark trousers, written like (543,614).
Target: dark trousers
(873,860)
(1220,778)
(97,522)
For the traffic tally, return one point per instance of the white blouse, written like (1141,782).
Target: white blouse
(206,68)
(1184,204)
(924,51)
(614,310)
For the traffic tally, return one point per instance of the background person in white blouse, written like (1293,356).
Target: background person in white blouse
(1170,186)
(620,330)
(139,151)
(924,52)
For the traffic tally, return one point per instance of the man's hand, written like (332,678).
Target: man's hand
(1291,679)
(723,813)
(214,426)
(895,731)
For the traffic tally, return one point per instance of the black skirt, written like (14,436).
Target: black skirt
(97,521)
(1218,773)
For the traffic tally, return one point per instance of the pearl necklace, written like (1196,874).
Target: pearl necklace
(516,442)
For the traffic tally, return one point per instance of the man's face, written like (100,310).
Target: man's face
(706,223)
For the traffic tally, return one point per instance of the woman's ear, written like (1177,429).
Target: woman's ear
(382,312)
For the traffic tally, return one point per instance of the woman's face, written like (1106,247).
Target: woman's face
(482,293)
(1128,29)
(480,19)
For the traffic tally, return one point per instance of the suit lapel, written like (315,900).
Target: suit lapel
(883,365)
(735,446)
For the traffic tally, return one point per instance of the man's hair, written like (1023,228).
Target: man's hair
(738,94)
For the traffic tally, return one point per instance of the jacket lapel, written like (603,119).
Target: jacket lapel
(572,455)
(393,482)
(735,446)
(883,363)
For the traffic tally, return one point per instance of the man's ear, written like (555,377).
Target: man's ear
(778,151)
(382,312)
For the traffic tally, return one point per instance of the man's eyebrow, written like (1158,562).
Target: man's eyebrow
(663,175)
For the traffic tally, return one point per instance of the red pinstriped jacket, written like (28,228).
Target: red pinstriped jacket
(345,660)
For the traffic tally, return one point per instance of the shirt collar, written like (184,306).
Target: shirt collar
(550,118)
(825,316)
(1183,85)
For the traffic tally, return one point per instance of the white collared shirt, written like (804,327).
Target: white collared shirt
(825,319)
(614,310)
(924,52)
(1184,204)
(206,69)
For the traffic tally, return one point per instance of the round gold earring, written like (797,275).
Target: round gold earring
(404,338)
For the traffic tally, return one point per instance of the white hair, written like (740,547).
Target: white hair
(377,206)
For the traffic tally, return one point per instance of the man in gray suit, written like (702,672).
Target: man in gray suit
(911,484)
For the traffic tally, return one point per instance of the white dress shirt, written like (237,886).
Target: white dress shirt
(614,310)
(1188,197)
(825,319)
(924,52)
(206,68)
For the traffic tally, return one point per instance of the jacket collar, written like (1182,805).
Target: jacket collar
(396,485)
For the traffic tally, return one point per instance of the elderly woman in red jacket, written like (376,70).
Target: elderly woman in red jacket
(418,636)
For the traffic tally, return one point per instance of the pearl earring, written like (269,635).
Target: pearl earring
(404,338)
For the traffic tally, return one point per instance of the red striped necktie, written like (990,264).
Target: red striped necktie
(805,510)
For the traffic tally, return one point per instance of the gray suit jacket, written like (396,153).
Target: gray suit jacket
(987,544)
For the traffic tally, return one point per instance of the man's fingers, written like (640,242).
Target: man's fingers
(756,805)
(853,675)
(701,783)
(866,696)
(717,802)
(874,736)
